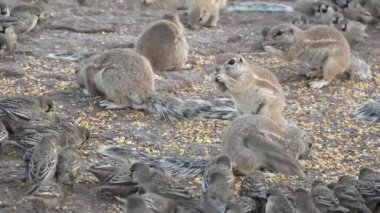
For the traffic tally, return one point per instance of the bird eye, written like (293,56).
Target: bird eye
(231,62)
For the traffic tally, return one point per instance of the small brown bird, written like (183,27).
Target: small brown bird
(242,205)
(253,186)
(43,162)
(217,195)
(47,195)
(350,198)
(304,202)
(68,167)
(116,180)
(38,103)
(278,203)
(368,174)
(325,199)
(220,165)
(369,190)
(68,134)
(154,180)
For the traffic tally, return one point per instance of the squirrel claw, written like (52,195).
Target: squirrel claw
(318,84)
(110,105)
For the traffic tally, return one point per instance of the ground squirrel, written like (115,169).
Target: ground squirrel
(164,44)
(254,89)
(126,79)
(323,47)
(273,148)
(254,141)
(204,13)
(8,40)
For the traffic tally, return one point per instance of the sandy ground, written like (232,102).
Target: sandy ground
(342,144)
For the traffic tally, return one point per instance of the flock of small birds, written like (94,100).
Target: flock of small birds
(51,143)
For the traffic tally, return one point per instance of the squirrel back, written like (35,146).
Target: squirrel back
(164,44)
(292,140)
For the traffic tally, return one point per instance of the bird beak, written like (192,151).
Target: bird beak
(263,194)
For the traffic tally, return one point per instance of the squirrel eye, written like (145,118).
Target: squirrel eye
(279,33)
(231,62)
(343,27)
(200,19)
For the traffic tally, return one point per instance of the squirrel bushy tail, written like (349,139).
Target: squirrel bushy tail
(369,111)
(175,166)
(70,56)
(177,108)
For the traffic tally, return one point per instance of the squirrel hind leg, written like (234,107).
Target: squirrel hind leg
(111,105)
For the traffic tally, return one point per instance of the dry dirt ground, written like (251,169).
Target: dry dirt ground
(342,144)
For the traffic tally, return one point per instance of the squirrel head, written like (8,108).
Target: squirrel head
(282,36)
(234,66)
(198,16)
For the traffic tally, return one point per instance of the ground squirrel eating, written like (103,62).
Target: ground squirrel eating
(204,13)
(254,89)
(323,47)
(126,79)
(164,44)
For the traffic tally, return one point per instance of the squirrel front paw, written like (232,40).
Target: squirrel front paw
(273,50)
(220,77)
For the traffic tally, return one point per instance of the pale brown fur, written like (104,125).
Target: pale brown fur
(204,13)
(323,47)
(292,140)
(164,44)
(254,89)
(8,40)
(119,75)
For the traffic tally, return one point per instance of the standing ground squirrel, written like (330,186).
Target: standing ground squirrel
(164,44)
(8,40)
(126,79)
(254,89)
(323,47)
(204,13)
